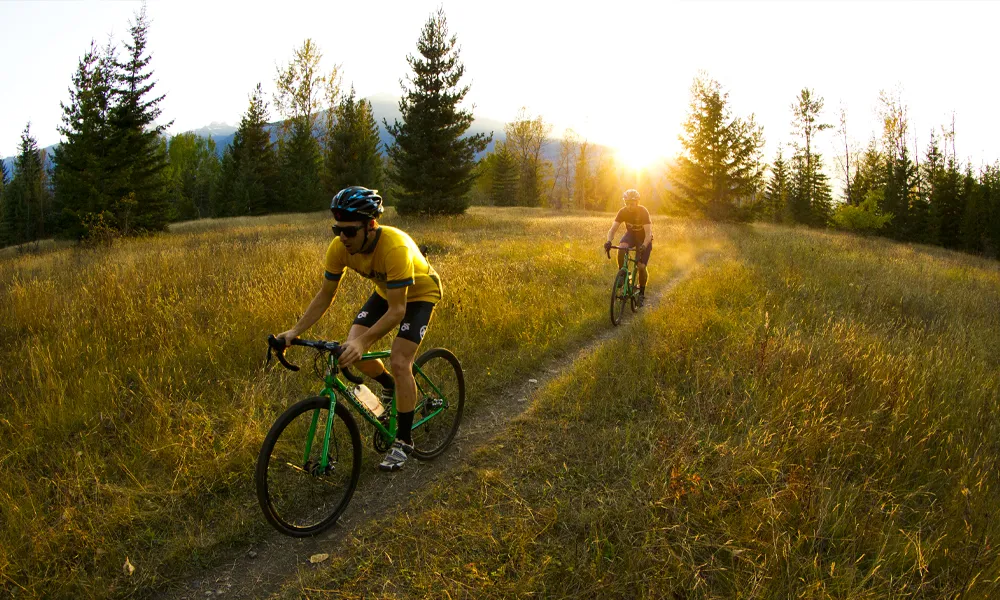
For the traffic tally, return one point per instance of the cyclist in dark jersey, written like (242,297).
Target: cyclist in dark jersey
(638,234)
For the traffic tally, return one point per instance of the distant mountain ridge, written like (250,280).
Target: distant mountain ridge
(383,107)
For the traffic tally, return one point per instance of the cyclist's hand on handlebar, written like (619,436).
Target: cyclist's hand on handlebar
(287,337)
(350,352)
(607,246)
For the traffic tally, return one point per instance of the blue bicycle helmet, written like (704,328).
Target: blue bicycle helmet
(356,203)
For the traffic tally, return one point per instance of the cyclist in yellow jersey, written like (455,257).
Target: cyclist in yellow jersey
(406,290)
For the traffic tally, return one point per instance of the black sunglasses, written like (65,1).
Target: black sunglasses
(349,230)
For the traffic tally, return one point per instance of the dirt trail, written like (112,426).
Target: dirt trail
(261,570)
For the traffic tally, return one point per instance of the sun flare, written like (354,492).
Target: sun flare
(640,153)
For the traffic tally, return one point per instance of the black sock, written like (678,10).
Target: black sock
(404,421)
(386,380)
(642,290)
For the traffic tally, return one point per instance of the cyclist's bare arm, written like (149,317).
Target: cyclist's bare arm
(353,349)
(614,228)
(648,230)
(320,302)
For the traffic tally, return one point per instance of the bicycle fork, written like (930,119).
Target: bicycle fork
(324,462)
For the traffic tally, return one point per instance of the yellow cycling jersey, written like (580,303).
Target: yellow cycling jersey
(393,261)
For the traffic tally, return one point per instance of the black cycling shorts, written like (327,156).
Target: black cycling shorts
(635,239)
(415,321)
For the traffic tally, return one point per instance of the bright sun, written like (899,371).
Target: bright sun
(640,153)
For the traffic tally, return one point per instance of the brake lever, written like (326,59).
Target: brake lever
(277,347)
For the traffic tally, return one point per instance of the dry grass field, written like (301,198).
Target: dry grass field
(811,415)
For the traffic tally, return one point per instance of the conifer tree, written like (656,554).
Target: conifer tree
(990,180)
(140,195)
(28,203)
(975,216)
(352,153)
(81,174)
(300,161)
(900,171)
(943,182)
(4,176)
(6,221)
(504,190)
(249,172)
(811,198)
(777,191)
(302,89)
(869,174)
(719,169)
(433,164)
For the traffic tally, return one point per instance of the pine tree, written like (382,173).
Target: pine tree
(300,161)
(901,180)
(302,89)
(4,177)
(811,198)
(943,183)
(777,191)
(352,153)
(6,222)
(27,200)
(975,217)
(504,190)
(249,172)
(990,180)
(432,163)
(869,174)
(719,169)
(900,191)
(140,194)
(81,174)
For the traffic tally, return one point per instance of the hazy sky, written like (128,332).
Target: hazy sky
(617,72)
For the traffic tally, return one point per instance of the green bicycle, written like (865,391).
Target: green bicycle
(310,461)
(624,288)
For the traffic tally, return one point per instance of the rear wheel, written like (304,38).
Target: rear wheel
(618,297)
(298,495)
(440,402)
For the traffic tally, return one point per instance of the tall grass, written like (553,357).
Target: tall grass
(811,416)
(132,401)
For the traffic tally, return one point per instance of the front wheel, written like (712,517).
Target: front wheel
(618,298)
(440,402)
(298,494)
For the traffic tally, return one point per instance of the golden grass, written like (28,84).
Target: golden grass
(812,416)
(132,403)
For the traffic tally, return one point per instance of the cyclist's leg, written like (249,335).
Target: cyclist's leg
(625,242)
(370,313)
(641,263)
(404,351)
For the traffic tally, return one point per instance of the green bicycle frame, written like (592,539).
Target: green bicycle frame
(334,385)
(631,265)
